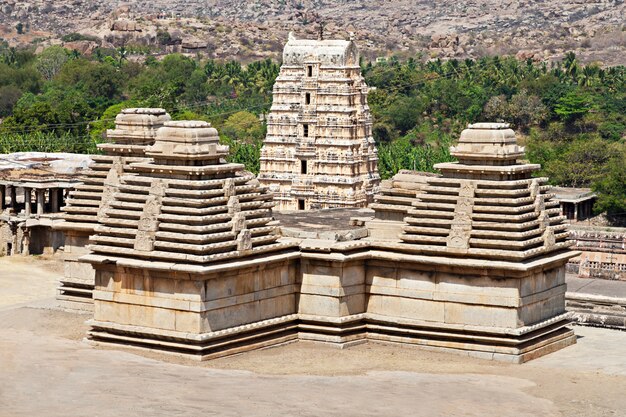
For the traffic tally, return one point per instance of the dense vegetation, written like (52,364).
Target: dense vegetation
(572,118)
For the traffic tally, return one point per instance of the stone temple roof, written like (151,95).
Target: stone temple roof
(487,205)
(187,206)
(327,52)
(135,129)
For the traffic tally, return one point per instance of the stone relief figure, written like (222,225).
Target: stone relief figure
(111,183)
(149,222)
(549,240)
(460,231)
(239,222)
(229,188)
(244,240)
(534,188)
(233,205)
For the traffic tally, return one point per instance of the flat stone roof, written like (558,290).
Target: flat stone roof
(572,195)
(332,224)
(41,169)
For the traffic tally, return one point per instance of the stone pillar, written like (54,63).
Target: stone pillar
(13,197)
(41,200)
(54,200)
(27,201)
(26,242)
(575,211)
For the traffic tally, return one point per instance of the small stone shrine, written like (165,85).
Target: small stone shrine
(134,130)
(186,254)
(319,151)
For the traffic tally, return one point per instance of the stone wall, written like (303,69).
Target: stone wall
(176,306)
(603,253)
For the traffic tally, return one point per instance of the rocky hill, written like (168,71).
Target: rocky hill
(537,29)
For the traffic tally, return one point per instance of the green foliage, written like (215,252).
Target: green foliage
(51,60)
(19,28)
(74,36)
(581,163)
(573,106)
(611,188)
(46,142)
(164,37)
(9,95)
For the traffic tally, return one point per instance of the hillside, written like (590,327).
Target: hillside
(248,30)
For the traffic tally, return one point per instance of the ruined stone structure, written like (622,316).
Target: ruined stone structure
(134,130)
(603,253)
(576,203)
(33,187)
(319,151)
(188,259)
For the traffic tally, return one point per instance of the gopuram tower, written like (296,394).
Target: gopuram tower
(319,151)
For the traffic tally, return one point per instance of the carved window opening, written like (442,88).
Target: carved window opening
(303,167)
(307,98)
(301,204)
(309,70)
(306,131)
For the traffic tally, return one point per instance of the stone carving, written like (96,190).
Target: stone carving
(319,129)
(149,222)
(534,188)
(244,240)
(461,228)
(540,204)
(110,185)
(544,220)
(233,205)
(229,188)
(239,222)
(549,240)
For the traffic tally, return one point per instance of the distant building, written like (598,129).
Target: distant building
(576,203)
(33,187)
(319,151)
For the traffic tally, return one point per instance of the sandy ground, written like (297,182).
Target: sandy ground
(47,370)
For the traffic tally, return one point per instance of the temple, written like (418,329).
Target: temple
(134,130)
(319,151)
(188,258)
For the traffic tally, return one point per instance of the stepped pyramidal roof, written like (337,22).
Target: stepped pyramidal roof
(186,205)
(135,129)
(486,205)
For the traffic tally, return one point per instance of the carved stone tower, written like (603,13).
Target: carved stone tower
(135,129)
(319,151)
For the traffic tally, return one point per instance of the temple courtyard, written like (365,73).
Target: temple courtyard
(47,369)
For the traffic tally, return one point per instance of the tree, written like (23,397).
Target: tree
(9,95)
(573,106)
(20,28)
(196,88)
(51,60)
(581,164)
(611,189)
(243,126)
